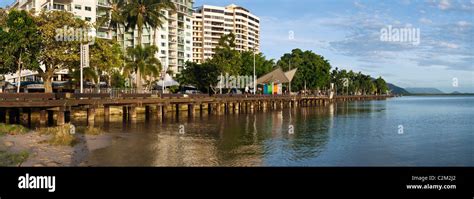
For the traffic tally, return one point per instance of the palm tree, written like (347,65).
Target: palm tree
(116,14)
(142,59)
(144,14)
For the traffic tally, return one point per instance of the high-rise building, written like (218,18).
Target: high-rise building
(88,10)
(173,39)
(211,22)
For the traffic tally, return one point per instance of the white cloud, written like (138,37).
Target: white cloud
(444,4)
(424,20)
(463,24)
(448,45)
(358,4)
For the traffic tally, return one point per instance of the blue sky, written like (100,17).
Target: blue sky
(347,33)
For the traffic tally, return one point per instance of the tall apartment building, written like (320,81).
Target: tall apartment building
(173,39)
(88,10)
(211,22)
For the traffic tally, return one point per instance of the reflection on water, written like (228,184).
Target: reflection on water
(346,134)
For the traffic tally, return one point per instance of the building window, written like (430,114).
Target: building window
(78,7)
(163,44)
(88,8)
(88,19)
(58,7)
(163,52)
(163,36)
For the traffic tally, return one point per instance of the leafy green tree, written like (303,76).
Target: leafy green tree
(3,17)
(116,15)
(202,76)
(381,86)
(313,70)
(106,57)
(20,43)
(3,42)
(89,74)
(341,80)
(142,14)
(262,65)
(143,59)
(117,80)
(226,57)
(57,54)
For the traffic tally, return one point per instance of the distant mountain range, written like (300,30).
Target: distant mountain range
(420,91)
(397,90)
(424,91)
(394,89)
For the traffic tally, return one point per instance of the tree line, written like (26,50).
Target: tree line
(314,72)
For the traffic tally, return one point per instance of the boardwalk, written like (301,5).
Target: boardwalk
(58,106)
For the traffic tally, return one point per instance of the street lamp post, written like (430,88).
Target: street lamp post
(164,75)
(82,68)
(254,75)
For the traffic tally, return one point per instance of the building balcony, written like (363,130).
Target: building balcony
(21,3)
(103,3)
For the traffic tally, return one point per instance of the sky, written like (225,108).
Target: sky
(348,34)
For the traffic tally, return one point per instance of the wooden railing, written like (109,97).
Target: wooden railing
(59,96)
(27,96)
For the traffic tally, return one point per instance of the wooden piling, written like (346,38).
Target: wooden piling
(132,113)
(91,116)
(106,113)
(43,117)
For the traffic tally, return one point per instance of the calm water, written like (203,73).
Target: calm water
(407,131)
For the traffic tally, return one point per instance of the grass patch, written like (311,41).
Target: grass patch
(12,129)
(61,135)
(89,130)
(12,159)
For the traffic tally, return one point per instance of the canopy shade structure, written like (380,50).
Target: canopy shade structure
(168,81)
(277,76)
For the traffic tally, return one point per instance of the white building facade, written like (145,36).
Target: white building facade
(211,22)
